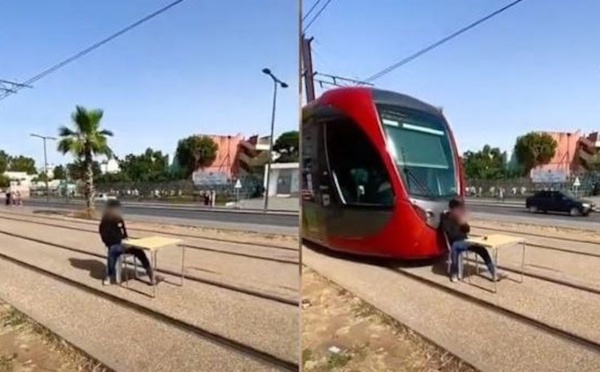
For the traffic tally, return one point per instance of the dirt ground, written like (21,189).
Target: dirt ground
(27,347)
(340,332)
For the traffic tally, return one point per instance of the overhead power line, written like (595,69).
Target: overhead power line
(311,10)
(91,48)
(316,16)
(438,43)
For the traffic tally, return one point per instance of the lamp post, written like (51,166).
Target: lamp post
(276,83)
(44,139)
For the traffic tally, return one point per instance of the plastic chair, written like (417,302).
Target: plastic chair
(449,260)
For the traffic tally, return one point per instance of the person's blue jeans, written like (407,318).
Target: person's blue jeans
(114,251)
(461,246)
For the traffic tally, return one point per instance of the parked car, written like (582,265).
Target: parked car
(558,201)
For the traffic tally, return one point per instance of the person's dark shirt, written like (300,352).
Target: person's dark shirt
(453,229)
(112,230)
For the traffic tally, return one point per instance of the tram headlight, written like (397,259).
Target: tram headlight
(426,216)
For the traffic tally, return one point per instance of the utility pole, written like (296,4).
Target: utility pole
(276,83)
(309,74)
(307,70)
(44,139)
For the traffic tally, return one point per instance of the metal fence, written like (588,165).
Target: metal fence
(251,187)
(523,187)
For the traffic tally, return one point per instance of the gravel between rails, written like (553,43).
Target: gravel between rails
(488,340)
(267,325)
(243,272)
(120,338)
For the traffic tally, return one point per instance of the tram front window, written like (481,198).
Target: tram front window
(420,146)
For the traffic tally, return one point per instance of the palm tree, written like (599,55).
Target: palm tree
(85,141)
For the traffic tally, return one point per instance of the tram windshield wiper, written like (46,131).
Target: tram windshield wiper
(410,175)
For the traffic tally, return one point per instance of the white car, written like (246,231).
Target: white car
(104,197)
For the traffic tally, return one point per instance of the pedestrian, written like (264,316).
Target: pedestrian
(8,197)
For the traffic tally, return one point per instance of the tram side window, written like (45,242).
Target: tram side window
(357,170)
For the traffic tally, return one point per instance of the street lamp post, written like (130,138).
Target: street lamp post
(276,83)
(44,139)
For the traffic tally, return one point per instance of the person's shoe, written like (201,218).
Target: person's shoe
(107,281)
(155,279)
(454,278)
(499,276)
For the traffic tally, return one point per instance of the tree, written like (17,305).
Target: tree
(487,164)
(4,160)
(149,166)
(85,141)
(22,164)
(195,152)
(77,170)
(4,181)
(287,146)
(59,173)
(534,149)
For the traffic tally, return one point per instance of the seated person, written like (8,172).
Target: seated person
(454,225)
(112,232)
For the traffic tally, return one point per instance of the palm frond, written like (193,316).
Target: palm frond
(106,132)
(64,131)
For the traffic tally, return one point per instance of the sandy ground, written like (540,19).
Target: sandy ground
(340,332)
(27,347)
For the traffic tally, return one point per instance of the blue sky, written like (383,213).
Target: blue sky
(533,67)
(194,69)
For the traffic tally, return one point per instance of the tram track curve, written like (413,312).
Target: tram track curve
(238,347)
(227,286)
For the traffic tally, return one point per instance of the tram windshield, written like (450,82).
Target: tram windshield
(420,146)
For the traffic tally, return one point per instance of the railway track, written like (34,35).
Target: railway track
(155,231)
(191,246)
(538,235)
(541,322)
(541,325)
(228,286)
(265,358)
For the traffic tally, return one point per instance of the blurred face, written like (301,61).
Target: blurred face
(113,211)
(459,211)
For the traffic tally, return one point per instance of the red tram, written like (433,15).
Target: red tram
(378,169)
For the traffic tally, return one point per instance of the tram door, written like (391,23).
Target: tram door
(313,225)
(362,198)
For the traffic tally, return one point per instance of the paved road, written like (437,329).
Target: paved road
(507,210)
(218,216)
